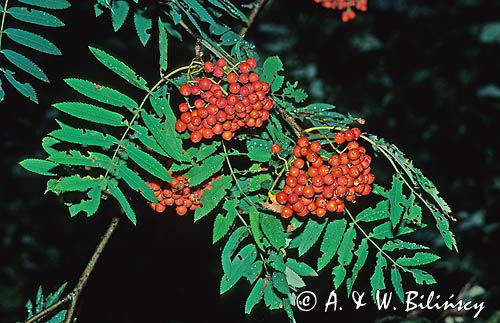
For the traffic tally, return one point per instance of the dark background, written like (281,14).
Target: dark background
(415,70)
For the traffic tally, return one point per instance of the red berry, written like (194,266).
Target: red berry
(286,212)
(275,148)
(209,67)
(281,197)
(181,210)
(196,137)
(185,90)
(180,126)
(315,147)
(221,62)
(303,142)
(252,62)
(339,138)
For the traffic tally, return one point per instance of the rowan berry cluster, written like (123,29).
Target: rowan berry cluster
(346,6)
(221,109)
(177,193)
(316,186)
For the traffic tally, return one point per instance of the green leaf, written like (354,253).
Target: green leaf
(164,137)
(397,283)
(84,137)
(230,8)
(102,93)
(52,298)
(148,163)
(212,197)
(422,277)
(75,158)
(232,244)
(89,206)
(255,296)
(396,200)
(254,271)
(135,182)
(444,229)
(74,183)
(118,195)
(270,69)
(418,259)
(163,47)
(280,283)
(119,68)
(331,241)
(345,256)
(49,4)
(223,223)
(32,40)
(142,134)
(362,254)
(91,113)
(25,64)
(119,12)
(273,230)
(38,166)
(34,16)
(293,279)
(200,11)
(377,279)
(256,182)
(259,150)
(381,211)
(271,300)
(200,173)
(2,92)
(143,26)
(301,268)
(239,266)
(310,235)
(490,33)
(203,151)
(255,226)
(24,88)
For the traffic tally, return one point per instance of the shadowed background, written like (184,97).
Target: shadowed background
(424,75)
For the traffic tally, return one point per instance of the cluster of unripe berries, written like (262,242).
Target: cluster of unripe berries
(177,193)
(218,110)
(346,6)
(315,185)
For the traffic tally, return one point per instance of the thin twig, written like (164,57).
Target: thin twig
(89,268)
(75,293)
(255,12)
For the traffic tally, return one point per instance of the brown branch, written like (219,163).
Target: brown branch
(297,129)
(75,293)
(259,4)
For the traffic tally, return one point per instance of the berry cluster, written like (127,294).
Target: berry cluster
(178,193)
(315,186)
(346,6)
(218,110)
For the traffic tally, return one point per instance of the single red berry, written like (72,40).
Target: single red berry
(339,138)
(252,62)
(185,90)
(303,142)
(275,148)
(315,147)
(180,126)
(209,67)
(205,84)
(281,198)
(196,137)
(286,212)
(181,210)
(245,68)
(221,62)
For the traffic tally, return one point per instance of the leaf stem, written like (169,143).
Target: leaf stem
(6,4)
(259,4)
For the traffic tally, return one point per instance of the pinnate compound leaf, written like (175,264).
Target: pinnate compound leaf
(255,296)
(223,223)
(119,68)
(34,16)
(209,167)
(212,197)
(91,113)
(345,256)
(48,4)
(39,166)
(331,241)
(102,93)
(148,163)
(32,40)
(25,64)
(120,197)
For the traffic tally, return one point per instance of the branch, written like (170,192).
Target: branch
(90,267)
(297,129)
(255,12)
(74,295)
